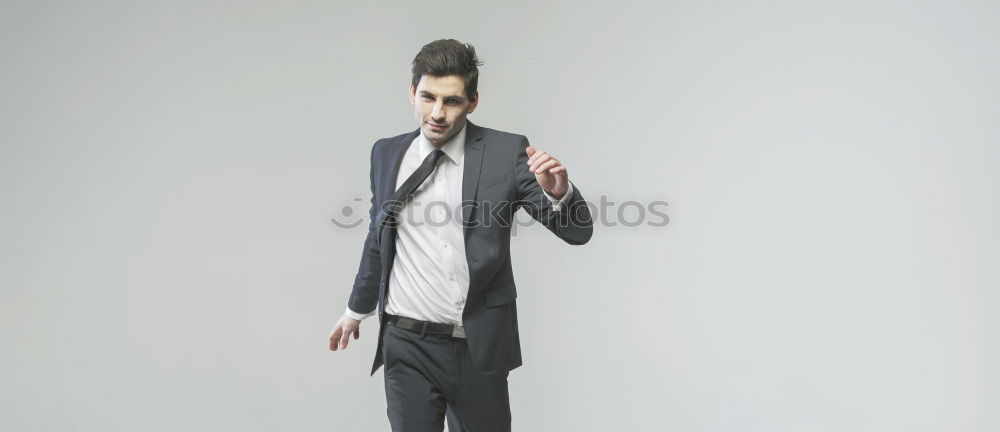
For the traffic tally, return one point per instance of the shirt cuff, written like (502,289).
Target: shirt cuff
(359,316)
(557,204)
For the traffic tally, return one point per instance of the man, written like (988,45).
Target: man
(442,283)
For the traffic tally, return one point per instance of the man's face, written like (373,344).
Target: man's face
(441,106)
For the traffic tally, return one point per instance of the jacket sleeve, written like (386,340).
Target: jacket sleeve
(364,294)
(572,223)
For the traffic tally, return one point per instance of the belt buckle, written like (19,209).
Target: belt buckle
(458,331)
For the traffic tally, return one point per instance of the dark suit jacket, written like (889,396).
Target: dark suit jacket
(496,182)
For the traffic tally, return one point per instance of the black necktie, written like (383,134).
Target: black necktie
(399,198)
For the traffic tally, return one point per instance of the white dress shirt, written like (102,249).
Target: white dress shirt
(430,274)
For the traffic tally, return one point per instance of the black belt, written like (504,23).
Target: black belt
(426,327)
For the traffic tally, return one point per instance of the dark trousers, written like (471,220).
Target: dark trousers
(431,377)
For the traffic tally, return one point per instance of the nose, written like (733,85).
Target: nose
(437,114)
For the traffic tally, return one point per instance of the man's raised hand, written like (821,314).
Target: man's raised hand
(549,172)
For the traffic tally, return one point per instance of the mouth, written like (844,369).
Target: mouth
(436,127)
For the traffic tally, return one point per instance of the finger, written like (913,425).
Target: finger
(529,150)
(558,169)
(344,338)
(551,163)
(535,157)
(538,162)
(334,339)
(357,333)
(536,167)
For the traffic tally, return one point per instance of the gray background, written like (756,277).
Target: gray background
(831,263)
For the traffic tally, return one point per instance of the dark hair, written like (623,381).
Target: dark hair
(448,57)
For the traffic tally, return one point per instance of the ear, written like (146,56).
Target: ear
(413,95)
(473,103)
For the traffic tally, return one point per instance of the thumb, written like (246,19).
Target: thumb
(530,150)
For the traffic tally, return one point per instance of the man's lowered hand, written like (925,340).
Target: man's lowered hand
(342,332)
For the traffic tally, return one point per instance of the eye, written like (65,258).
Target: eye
(427,98)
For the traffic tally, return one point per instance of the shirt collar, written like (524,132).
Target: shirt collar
(453,148)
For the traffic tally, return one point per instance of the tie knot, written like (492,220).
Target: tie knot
(436,154)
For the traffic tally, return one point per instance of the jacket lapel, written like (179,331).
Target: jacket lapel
(387,182)
(395,159)
(473,166)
